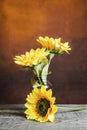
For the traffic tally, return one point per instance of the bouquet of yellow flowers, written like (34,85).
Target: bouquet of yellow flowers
(40,103)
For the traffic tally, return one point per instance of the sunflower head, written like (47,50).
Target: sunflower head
(32,58)
(40,105)
(54,45)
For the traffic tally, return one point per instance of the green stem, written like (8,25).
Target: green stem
(78,109)
(67,109)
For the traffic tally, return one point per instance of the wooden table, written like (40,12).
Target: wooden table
(13,118)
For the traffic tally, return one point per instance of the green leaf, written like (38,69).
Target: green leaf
(27,67)
(38,70)
(45,73)
(56,52)
(45,70)
(35,83)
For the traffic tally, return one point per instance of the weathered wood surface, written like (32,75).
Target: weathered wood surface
(13,118)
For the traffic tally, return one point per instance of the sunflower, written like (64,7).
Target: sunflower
(32,58)
(40,105)
(55,45)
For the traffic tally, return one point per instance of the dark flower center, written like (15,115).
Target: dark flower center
(42,106)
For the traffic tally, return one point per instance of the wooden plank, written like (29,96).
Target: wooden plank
(12,117)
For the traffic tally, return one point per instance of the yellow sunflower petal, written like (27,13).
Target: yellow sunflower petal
(51,117)
(55,45)
(32,58)
(49,93)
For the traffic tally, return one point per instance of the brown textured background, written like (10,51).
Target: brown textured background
(21,22)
